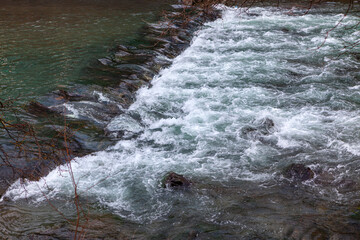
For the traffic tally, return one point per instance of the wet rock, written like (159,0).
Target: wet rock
(133,77)
(193,234)
(69,96)
(262,128)
(123,48)
(188,2)
(174,180)
(252,14)
(268,124)
(131,85)
(126,48)
(161,63)
(148,76)
(103,112)
(38,109)
(97,113)
(332,178)
(36,171)
(129,69)
(156,39)
(8,176)
(106,61)
(122,53)
(194,2)
(347,185)
(298,172)
(247,130)
(285,30)
(122,134)
(184,36)
(324,177)
(139,55)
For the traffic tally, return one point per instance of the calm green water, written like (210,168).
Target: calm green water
(47,44)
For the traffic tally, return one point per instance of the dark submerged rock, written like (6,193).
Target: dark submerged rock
(285,30)
(298,172)
(106,61)
(261,128)
(174,180)
(69,96)
(268,124)
(38,109)
(248,130)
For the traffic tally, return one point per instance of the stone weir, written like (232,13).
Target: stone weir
(88,109)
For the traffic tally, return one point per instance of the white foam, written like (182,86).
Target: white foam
(234,74)
(102,97)
(73,112)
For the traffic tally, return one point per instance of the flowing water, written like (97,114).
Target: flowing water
(207,117)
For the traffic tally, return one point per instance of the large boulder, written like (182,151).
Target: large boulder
(298,172)
(174,180)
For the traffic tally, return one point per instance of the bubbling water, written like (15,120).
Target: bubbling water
(205,117)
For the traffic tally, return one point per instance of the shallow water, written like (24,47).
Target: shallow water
(46,45)
(239,72)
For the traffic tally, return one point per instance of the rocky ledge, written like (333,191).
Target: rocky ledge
(89,108)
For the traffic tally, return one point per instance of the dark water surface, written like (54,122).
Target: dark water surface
(45,44)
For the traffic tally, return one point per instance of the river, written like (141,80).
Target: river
(207,117)
(46,45)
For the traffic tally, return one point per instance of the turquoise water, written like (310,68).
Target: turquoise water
(239,72)
(47,45)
